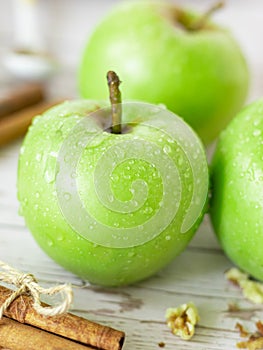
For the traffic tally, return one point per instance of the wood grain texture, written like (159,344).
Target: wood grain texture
(18,336)
(197,274)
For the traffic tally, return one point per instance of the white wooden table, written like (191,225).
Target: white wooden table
(196,275)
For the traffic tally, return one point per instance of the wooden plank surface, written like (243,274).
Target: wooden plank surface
(196,275)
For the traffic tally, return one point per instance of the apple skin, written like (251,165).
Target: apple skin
(200,75)
(38,197)
(237,190)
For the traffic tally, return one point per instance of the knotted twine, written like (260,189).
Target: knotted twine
(27,284)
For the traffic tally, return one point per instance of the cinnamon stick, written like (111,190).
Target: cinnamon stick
(17,336)
(16,124)
(13,99)
(69,326)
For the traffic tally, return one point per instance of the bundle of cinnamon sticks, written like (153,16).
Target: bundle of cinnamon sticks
(23,328)
(18,105)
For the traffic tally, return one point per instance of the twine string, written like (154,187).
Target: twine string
(27,284)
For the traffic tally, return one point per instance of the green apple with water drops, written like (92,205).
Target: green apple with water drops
(112,201)
(170,55)
(237,190)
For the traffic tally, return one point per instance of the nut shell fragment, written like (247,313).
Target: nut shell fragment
(252,290)
(182,320)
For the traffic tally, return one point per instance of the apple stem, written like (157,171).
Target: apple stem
(200,22)
(115,99)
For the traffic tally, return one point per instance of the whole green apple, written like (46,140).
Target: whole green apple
(168,55)
(237,190)
(113,205)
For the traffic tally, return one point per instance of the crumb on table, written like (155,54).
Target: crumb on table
(182,320)
(252,290)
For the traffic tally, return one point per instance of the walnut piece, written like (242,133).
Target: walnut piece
(161,344)
(242,331)
(259,326)
(252,290)
(233,307)
(182,320)
(255,341)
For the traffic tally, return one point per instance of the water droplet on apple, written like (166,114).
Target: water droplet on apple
(135,203)
(74,174)
(256,122)
(22,150)
(50,242)
(49,176)
(187,174)
(180,161)
(67,196)
(60,237)
(132,191)
(67,158)
(167,149)
(59,133)
(148,210)
(36,206)
(256,132)
(51,168)
(96,141)
(131,254)
(38,157)
(168,238)
(127,177)
(111,198)
(53,154)
(195,155)
(37,194)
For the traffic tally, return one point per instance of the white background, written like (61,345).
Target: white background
(65,26)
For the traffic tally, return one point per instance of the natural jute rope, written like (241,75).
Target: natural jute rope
(27,284)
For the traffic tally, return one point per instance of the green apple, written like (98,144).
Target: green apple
(237,190)
(168,55)
(112,205)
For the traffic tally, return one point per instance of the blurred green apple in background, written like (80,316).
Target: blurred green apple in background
(237,190)
(112,207)
(171,56)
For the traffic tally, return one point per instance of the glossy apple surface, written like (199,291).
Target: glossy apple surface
(113,209)
(237,190)
(200,75)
